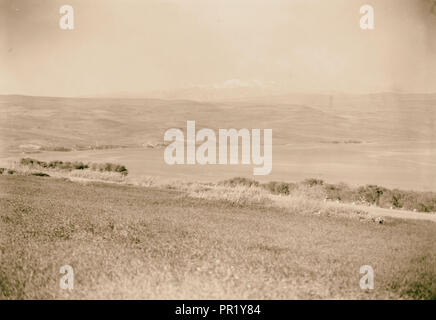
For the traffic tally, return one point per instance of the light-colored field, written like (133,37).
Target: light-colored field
(205,241)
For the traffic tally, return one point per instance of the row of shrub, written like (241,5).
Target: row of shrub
(369,194)
(275,187)
(384,197)
(75,165)
(8,171)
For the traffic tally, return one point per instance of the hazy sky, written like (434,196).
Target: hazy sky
(139,46)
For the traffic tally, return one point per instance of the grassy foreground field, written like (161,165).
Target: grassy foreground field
(136,242)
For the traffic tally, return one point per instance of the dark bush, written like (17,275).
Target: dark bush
(76,165)
(40,174)
(60,149)
(80,166)
(27,161)
(240,181)
(55,164)
(279,187)
(122,170)
(370,193)
(341,192)
(313,182)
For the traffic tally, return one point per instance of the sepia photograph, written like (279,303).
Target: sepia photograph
(217,150)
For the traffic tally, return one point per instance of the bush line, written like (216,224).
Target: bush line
(75,165)
(368,195)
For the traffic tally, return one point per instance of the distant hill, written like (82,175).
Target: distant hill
(66,122)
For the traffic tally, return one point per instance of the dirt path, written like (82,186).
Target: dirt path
(394,213)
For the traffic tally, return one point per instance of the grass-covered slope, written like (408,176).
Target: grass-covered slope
(135,242)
